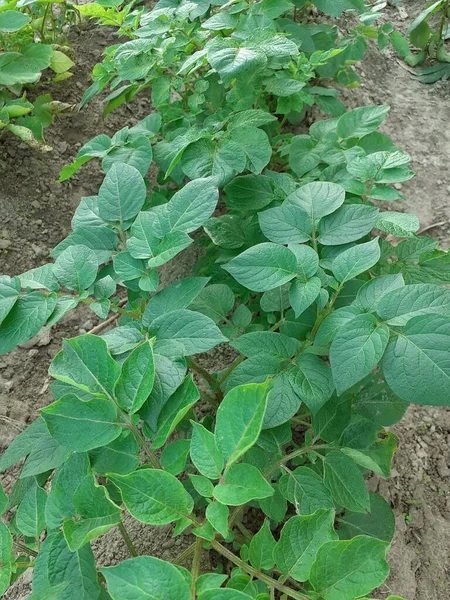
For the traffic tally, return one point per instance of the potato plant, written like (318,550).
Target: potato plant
(334,315)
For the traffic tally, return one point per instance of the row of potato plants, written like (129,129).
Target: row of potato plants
(332,313)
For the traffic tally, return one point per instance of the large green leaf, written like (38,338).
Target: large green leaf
(146,578)
(361,121)
(402,304)
(81,426)
(9,293)
(241,483)
(30,516)
(239,420)
(73,574)
(256,146)
(300,539)
(348,224)
(85,363)
(192,331)
(263,267)
(95,514)
(354,261)
(356,350)
(122,194)
(345,482)
(230,62)
(76,267)
(154,497)
(416,364)
(379,523)
(249,192)
(318,199)
(286,224)
(350,569)
(136,379)
(312,380)
(175,296)
(261,548)
(370,294)
(305,489)
(303,294)
(24,320)
(7,558)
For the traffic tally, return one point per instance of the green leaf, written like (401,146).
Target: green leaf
(356,350)
(218,514)
(25,319)
(249,192)
(275,345)
(361,121)
(331,420)
(256,146)
(230,62)
(379,523)
(3,500)
(224,594)
(263,267)
(9,293)
(60,504)
(357,259)
(335,322)
(175,409)
(307,261)
(81,426)
(60,62)
(205,454)
(304,488)
(74,572)
(202,485)
(275,507)
(95,514)
(137,153)
(302,295)
(209,581)
(145,578)
(348,224)
(76,267)
(13,20)
(400,305)
(215,301)
(283,401)
(370,294)
(128,268)
(30,517)
(85,363)
(239,420)
(153,496)
(193,331)
(398,224)
(422,349)
(286,224)
(122,194)
(242,483)
(261,548)
(318,199)
(136,379)
(302,157)
(300,540)
(7,558)
(173,457)
(375,401)
(190,207)
(350,569)
(312,381)
(345,482)
(175,296)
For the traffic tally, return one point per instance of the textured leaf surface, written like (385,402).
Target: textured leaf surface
(345,482)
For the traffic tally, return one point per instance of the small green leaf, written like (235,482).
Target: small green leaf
(7,558)
(350,569)
(261,548)
(217,514)
(145,578)
(81,426)
(361,121)
(398,224)
(345,482)
(263,267)
(379,523)
(348,224)
(242,483)
(31,512)
(153,496)
(302,295)
(239,420)
(173,457)
(204,452)
(318,199)
(286,224)
(136,379)
(175,296)
(300,540)
(202,485)
(304,488)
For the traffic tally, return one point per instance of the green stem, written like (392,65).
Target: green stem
(327,311)
(144,446)
(255,573)
(127,540)
(196,564)
(44,19)
(25,549)
(444,18)
(230,369)
(192,364)
(184,555)
(243,529)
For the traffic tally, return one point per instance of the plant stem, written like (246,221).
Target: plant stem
(444,18)
(44,19)
(202,372)
(143,444)
(196,564)
(127,540)
(255,573)
(230,369)
(184,555)
(25,549)
(243,529)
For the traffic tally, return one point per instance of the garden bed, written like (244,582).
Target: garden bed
(35,214)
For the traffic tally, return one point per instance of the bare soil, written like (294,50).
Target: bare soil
(35,214)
